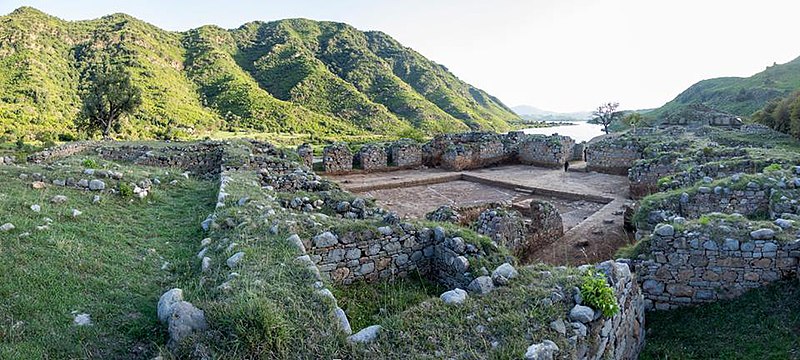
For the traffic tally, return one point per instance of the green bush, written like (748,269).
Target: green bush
(125,190)
(773,167)
(598,294)
(89,163)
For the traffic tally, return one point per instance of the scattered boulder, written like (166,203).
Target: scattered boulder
(325,239)
(36,208)
(38,185)
(184,321)
(344,324)
(75,213)
(82,319)
(366,335)
(541,351)
(58,199)
(505,270)
(234,260)
(455,296)
(481,285)
(7,227)
(97,185)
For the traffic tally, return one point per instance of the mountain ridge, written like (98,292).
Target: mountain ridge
(288,76)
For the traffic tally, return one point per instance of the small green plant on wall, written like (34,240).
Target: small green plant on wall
(598,294)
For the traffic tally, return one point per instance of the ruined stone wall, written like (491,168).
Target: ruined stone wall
(546,225)
(405,154)
(337,159)
(199,158)
(547,151)
(691,267)
(371,157)
(577,152)
(612,156)
(388,252)
(306,153)
(621,336)
(60,151)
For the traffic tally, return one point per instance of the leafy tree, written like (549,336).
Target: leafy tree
(110,94)
(606,114)
(633,120)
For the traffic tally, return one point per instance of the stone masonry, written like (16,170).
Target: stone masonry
(691,267)
(371,157)
(337,158)
(546,151)
(405,153)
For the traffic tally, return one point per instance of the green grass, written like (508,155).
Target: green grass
(762,324)
(107,262)
(369,304)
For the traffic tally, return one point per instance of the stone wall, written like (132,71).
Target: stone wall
(547,151)
(520,235)
(612,156)
(371,157)
(388,252)
(621,336)
(60,151)
(306,153)
(405,154)
(337,159)
(703,265)
(204,158)
(577,152)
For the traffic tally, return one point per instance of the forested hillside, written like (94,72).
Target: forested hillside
(288,76)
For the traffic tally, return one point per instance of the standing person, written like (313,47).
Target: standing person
(566,166)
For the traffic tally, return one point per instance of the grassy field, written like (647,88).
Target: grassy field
(107,263)
(762,324)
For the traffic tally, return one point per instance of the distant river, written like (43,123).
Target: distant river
(581,131)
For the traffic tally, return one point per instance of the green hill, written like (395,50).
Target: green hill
(287,76)
(739,96)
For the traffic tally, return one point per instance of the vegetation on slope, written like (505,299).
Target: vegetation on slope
(739,96)
(291,76)
(782,115)
(107,262)
(762,324)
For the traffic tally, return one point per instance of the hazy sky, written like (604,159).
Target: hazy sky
(560,55)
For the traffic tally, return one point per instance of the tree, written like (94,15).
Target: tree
(109,96)
(633,120)
(606,114)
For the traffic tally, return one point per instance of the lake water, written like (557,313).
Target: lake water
(581,131)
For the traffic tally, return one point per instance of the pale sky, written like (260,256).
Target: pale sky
(559,55)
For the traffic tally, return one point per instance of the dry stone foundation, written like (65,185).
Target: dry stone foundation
(405,154)
(337,159)
(612,156)
(546,151)
(371,157)
(700,266)
(306,153)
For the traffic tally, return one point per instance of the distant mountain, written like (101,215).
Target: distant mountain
(291,76)
(535,114)
(736,95)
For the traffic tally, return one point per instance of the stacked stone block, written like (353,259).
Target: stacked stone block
(306,153)
(546,151)
(337,158)
(372,157)
(405,154)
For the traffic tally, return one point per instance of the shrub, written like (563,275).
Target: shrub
(125,190)
(598,294)
(89,163)
(66,137)
(773,167)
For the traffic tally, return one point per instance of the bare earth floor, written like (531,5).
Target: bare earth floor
(591,204)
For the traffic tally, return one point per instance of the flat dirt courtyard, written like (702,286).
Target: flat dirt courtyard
(591,204)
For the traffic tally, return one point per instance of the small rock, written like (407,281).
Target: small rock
(455,296)
(481,285)
(762,234)
(97,185)
(344,324)
(664,230)
(234,260)
(36,208)
(7,227)
(58,199)
(82,319)
(167,301)
(505,270)
(784,224)
(325,239)
(541,351)
(559,326)
(205,264)
(366,335)
(581,313)
(96,199)
(385,230)
(38,185)
(76,213)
